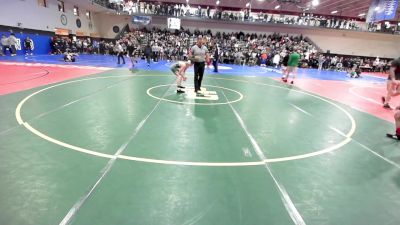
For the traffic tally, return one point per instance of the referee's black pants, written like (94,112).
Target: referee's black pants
(198,74)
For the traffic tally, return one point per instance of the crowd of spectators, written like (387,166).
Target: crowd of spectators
(181,10)
(350,63)
(239,48)
(303,19)
(243,49)
(60,45)
(233,48)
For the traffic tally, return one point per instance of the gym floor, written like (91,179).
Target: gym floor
(94,143)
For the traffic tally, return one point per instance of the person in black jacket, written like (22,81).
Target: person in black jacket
(147,53)
(28,44)
(131,53)
(216,58)
(285,64)
(102,47)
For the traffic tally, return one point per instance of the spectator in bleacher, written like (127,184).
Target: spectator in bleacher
(334,61)
(215,58)
(3,46)
(85,46)
(4,43)
(95,47)
(102,47)
(156,50)
(79,45)
(12,42)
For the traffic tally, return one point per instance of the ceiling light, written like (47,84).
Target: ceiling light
(217,2)
(315,2)
(361,14)
(277,7)
(248,4)
(334,12)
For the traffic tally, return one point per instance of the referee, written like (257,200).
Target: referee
(198,54)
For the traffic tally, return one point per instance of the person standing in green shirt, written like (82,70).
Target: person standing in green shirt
(293,63)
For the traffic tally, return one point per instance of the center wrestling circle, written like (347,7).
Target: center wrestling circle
(240,96)
(186,163)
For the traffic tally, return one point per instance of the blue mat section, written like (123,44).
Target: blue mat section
(111,61)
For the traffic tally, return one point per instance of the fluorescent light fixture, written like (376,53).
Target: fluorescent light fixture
(217,2)
(277,7)
(334,12)
(248,4)
(361,14)
(315,2)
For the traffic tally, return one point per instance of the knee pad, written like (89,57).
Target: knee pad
(397,115)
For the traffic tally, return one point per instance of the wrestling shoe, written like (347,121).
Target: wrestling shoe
(393,136)
(180,91)
(198,94)
(387,106)
(181,87)
(383,99)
